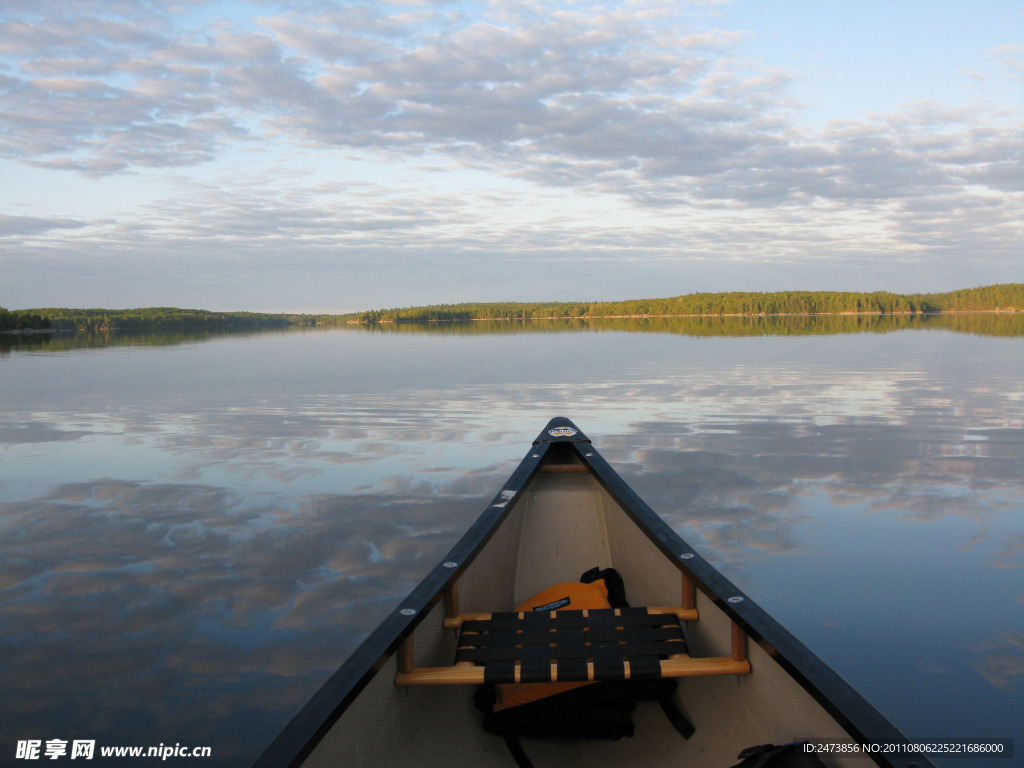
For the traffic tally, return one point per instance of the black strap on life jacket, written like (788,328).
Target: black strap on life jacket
(613,581)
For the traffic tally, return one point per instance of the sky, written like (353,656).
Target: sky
(325,156)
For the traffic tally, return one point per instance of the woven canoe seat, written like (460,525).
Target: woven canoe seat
(571,646)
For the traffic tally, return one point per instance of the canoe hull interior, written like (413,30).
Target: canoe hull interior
(558,525)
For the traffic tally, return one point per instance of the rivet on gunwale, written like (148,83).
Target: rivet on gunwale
(686,556)
(588,454)
(736,599)
(535,456)
(408,611)
(450,564)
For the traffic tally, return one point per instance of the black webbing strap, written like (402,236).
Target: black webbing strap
(516,748)
(604,638)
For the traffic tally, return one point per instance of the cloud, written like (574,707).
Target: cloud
(19,226)
(1011,58)
(612,100)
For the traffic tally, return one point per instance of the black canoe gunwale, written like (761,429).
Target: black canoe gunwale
(864,723)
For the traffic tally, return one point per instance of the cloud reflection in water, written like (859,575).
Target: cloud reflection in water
(188,559)
(196,614)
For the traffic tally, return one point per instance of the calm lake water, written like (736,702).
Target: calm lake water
(196,531)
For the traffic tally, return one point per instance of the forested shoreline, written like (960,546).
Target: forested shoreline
(1007,297)
(146,318)
(19,321)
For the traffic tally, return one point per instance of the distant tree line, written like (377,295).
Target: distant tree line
(1006,297)
(990,298)
(22,321)
(159,317)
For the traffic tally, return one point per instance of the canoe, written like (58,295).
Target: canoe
(402,699)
